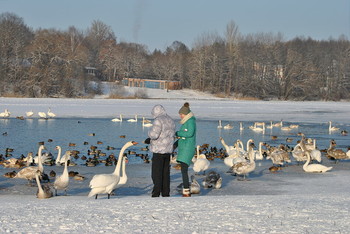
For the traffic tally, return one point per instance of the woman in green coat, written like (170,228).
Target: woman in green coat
(186,144)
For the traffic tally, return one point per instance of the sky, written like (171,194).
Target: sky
(158,23)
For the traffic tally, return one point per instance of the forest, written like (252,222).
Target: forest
(264,66)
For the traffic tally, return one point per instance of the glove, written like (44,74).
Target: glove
(147,141)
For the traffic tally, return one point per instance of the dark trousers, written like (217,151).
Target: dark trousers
(161,174)
(184,173)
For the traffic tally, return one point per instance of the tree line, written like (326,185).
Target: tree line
(51,63)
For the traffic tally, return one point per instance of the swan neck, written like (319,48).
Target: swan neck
(38,183)
(40,164)
(120,157)
(58,155)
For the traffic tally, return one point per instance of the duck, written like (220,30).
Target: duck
(29,113)
(202,163)
(344,132)
(274,169)
(212,180)
(146,124)
(30,172)
(79,177)
(106,183)
(10,174)
(50,113)
(244,168)
(133,120)
(52,173)
(219,126)
(43,191)
(314,168)
(118,120)
(62,181)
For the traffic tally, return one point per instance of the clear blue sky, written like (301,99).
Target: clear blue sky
(157,23)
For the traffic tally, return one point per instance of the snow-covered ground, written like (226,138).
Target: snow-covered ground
(289,201)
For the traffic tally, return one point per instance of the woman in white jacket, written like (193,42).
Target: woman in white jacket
(161,140)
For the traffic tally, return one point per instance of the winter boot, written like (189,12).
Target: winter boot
(186,193)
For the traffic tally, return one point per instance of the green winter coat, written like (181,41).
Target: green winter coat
(187,139)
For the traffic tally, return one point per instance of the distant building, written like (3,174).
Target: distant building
(155,84)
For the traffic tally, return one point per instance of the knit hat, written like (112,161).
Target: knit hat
(185,109)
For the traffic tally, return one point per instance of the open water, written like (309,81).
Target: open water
(23,136)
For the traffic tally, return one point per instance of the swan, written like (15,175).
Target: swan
(60,160)
(298,153)
(51,114)
(334,153)
(195,187)
(270,126)
(30,171)
(29,113)
(332,128)
(43,191)
(241,128)
(5,114)
(258,129)
(118,120)
(202,163)
(106,183)
(279,156)
(219,126)
(62,181)
(244,168)
(133,120)
(279,124)
(315,154)
(145,124)
(212,180)
(228,126)
(314,167)
(42,115)
(123,178)
(258,155)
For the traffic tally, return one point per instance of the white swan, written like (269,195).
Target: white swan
(332,128)
(133,120)
(42,115)
(29,113)
(118,120)
(314,167)
(270,126)
(106,183)
(30,172)
(5,114)
(255,128)
(145,124)
(202,163)
(241,128)
(50,113)
(62,181)
(219,126)
(315,154)
(43,191)
(123,178)
(60,160)
(244,168)
(258,155)
(228,126)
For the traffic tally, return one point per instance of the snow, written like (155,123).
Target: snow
(289,201)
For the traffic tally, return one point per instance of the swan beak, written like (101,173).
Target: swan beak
(134,142)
